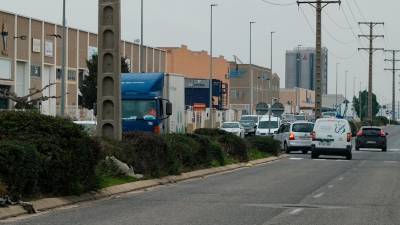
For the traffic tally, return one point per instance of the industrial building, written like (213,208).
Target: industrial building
(30,57)
(300,68)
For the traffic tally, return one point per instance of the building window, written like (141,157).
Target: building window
(82,76)
(72,75)
(5,69)
(58,74)
(36,71)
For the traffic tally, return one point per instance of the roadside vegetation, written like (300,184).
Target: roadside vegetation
(47,156)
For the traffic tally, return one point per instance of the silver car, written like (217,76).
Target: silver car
(295,136)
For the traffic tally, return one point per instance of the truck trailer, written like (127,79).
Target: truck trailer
(153,102)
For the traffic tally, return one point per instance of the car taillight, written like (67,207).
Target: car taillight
(292,137)
(313,136)
(383,133)
(360,133)
(157,130)
(349,136)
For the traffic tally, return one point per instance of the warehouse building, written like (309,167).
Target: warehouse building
(30,57)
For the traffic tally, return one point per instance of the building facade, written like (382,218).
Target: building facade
(195,65)
(265,87)
(31,58)
(300,69)
(296,100)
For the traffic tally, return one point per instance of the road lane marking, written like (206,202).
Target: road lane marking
(341,178)
(296,158)
(390,161)
(319,195)
(330,186)
(296,211)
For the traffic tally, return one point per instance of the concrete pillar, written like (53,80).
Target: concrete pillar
(109,70)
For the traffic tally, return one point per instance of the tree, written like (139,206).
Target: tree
(89,84)
(364,105)
(29,101)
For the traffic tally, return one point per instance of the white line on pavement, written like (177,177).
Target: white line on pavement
(330,186)
(296,211)
(319,195)
(296,158)
(341,178)
(390,162)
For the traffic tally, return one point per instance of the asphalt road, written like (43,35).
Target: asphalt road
(297,190)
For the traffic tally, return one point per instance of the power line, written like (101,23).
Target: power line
(279,4)
(359,9)
(337,24)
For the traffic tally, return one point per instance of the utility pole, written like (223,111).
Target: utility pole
(371,37)
(318,5)
(251,73)
(337,65)
(272,73)
(393,69)
(142,61)
(345,86)
(360,101)
(63,62)
(211,65)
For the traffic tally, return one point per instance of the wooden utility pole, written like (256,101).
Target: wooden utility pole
(371,37)
(393,69)
(318,5)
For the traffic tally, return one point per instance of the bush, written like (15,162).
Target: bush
(265,144)
(68,154)
(210,132)
(147,153)
(20,168)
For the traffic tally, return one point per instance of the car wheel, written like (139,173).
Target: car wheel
(286,148)
(314,155)
(357,148)
(349,156)
(384,149)
(304,151)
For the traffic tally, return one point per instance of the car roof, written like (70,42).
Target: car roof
(302,121)
(373,127)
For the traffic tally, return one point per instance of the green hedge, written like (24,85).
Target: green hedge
(68,156)
(265,144)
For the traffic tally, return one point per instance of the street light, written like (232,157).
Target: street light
(345,85)
(211,63)
(141,38)
(272,32)
(251,72)
(337,71)
(63,59)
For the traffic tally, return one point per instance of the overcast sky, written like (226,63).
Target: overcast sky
(176,22)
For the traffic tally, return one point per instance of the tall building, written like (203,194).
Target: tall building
(300,69)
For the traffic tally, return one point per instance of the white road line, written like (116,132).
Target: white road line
(341,178)
(330,186)
(296,158)
(390,162)
(319,195)
(296,211)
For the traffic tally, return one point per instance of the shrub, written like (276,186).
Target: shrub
(210,132)
(20,168)
(265,144)
(68,154)
(147,153)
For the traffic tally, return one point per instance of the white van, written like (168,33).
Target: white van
(331,137)
(267,126)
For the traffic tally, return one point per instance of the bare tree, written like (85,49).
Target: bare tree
(28,101)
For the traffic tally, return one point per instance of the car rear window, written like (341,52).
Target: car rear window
(303,127)
(371,131)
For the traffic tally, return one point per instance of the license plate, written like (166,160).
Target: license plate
(325,143)
(371,142)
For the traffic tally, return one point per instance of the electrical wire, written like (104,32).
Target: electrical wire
(279,4)
(338,25)
(359,9)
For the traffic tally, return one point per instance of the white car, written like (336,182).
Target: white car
(331,137)
(234,127)
(295,136)
(268,126)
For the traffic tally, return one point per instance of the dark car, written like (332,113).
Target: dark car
(371,137)
(249,127)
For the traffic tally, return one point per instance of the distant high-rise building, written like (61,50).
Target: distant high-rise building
(300,68)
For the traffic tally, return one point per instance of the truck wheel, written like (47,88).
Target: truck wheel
(314,155)
(349,156)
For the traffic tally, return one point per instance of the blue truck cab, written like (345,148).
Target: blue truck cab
(144,107)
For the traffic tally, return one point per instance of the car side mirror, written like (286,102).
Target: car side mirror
(168,108)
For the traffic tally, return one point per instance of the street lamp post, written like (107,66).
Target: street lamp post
(63,59)
(345,85)
(251,72)
(337,66)
(273,32)
(360,101)
(142,66)
(211,64)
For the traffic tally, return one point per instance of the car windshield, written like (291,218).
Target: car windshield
(247,123)
(303,127)
(142,109)
(371,131)
(268,125)
(251,118)
(230,125)
(328,114)
(300,117)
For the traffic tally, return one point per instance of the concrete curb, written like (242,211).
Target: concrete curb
(51,203)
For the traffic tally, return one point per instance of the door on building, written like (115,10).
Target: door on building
(4,103)
(22,79)
(49,107)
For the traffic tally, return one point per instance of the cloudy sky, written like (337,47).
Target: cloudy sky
(176,22)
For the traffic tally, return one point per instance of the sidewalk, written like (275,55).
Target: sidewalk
(51,203)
